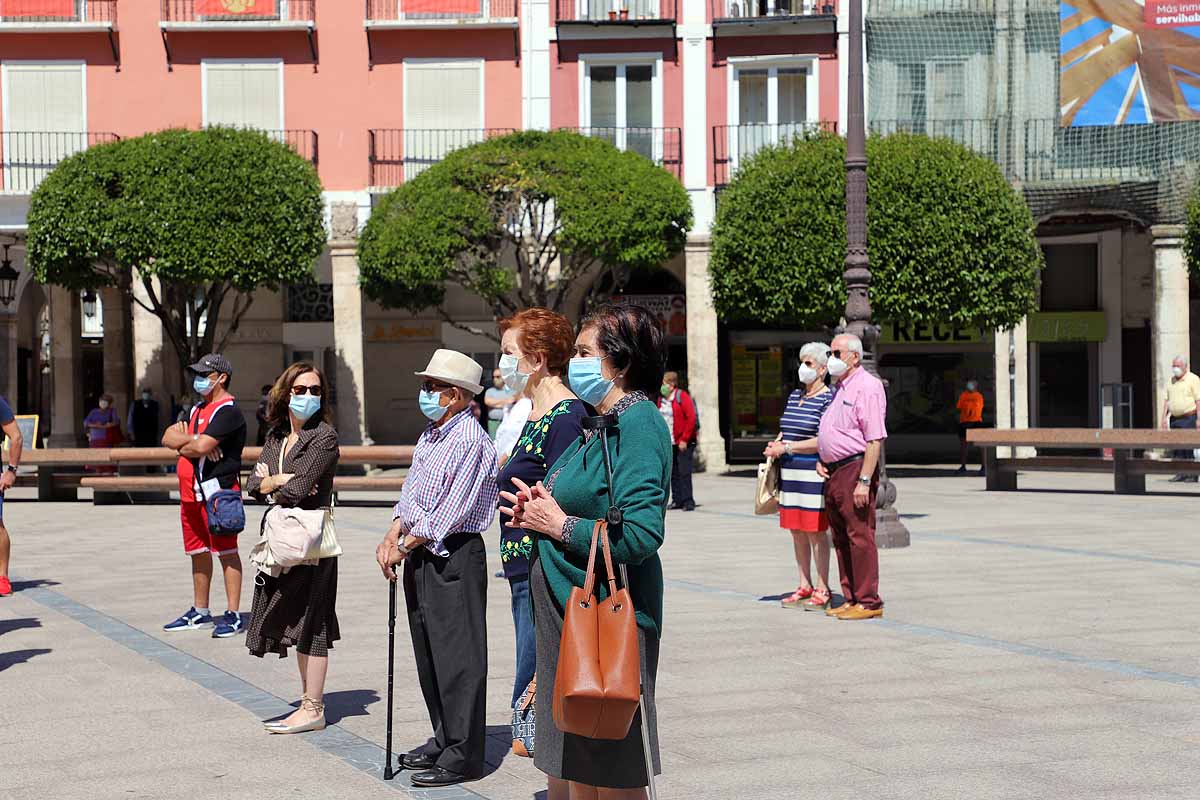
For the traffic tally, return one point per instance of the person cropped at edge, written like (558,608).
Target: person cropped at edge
(299,607)
(618,367)
(213,438)
(802,495)
(536,345)
(849,442)
(679,412)
(8,424)
(1181,411)
(447,502)
(497,400)
(260,416)
(970,415)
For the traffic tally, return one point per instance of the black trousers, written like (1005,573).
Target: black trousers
(681,474)
(1187,423)
(446,601)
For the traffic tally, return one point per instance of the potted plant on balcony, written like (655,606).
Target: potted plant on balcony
(612,16)
(827,8)
(624,13)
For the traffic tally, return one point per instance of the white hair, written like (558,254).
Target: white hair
(817,350)
(1180,359)
(853,343)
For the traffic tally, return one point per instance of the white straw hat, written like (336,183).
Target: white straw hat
(454,368)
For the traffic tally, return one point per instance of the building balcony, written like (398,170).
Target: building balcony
(615,19)
(773,17)
(303,142)
(396,155)
(237,15)
(26,157)
(980,135)
(48,16)
(663,146)
(443,14)
(733,144)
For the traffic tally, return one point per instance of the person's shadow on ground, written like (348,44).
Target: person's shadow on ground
(21,623)
(20,586)
(20,657)
(351,703)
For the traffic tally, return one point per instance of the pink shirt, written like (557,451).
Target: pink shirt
(855,416)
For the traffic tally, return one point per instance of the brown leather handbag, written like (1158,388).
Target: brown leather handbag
(598,683)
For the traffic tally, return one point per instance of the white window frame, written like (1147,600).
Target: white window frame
(14,62)
(931,116)
(204,64)
(621,61)
(478,62)
(810,64)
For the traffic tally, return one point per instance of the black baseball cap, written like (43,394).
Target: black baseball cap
(213,362)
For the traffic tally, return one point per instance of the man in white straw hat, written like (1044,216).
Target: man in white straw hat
(447,502)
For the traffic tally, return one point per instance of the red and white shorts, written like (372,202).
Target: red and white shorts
(196,536)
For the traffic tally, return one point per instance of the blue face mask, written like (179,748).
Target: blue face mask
(304,406)
(431,407)
(202,385)
(587,380)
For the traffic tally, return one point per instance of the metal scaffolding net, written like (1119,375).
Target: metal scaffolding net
(1087,105)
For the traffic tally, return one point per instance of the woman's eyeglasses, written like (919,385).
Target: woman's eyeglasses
(315,391)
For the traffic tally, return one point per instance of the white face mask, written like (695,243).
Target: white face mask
(104,404)
(1177,372)
(837,368)
(513,377)
(807,374)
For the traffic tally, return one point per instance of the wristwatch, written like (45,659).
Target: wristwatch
(864,480)
(11,468)
(400,546)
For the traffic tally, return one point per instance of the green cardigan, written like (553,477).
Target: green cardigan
(641,454)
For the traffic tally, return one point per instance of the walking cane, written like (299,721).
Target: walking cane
(387,763)
(603,425)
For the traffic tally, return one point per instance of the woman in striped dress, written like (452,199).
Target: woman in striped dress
(801,500)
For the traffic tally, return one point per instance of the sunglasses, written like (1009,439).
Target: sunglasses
(430,386)
(300,391)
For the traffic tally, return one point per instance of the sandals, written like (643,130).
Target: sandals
(819,600)
(797,597)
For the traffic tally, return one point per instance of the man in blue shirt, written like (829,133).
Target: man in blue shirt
(8,424)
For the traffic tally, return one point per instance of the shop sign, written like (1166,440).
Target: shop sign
(401,332)
(1068,326)
(930,333)
(671,309)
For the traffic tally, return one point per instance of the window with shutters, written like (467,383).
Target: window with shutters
(244,94)
(769,103)
(622,104)
(443,110)
(44,119)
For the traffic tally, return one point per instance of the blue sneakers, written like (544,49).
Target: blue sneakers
(191,620)
(228,624)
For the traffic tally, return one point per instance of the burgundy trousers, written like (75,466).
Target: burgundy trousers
(854,535)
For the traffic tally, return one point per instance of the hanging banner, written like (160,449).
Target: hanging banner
(1125,63)
(237,8)
(671,309)
(38,9)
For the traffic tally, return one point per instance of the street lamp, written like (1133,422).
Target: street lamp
(889,530)
(8,279)
(89,303)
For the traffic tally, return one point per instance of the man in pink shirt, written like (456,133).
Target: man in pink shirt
(848,443)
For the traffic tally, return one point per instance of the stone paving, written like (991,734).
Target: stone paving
(1035,644)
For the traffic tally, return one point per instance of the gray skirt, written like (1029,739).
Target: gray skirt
(617,764)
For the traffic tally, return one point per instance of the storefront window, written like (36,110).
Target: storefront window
(762,379)
(923,389)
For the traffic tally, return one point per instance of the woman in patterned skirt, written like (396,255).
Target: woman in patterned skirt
(801,499)
(296,609)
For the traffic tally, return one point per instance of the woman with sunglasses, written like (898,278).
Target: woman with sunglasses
(296,469)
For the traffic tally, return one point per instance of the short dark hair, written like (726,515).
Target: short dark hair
(630,336)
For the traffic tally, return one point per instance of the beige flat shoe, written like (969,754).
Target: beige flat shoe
(307,703)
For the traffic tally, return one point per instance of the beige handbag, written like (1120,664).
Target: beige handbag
(766,491)
(294,536)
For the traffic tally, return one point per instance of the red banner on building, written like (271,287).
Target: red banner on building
(38,8)
(1172,13)
(237,8)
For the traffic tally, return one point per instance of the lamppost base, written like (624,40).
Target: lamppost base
(889,530)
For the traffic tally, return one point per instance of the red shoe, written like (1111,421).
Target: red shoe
(797,597)
(5,586)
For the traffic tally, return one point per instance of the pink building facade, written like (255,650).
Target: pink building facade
(372,91)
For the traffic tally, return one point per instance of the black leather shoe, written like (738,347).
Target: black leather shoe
(689,506)
(416,760)
(438,777)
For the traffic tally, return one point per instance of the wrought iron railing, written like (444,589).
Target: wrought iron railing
(26,157)
(1107,153)
(309,302)
(395,10)
(733,144)
(663,146)
(238,11)
(980,135)
(58,11)
(627,11)
(303,142)
(752,9)
(396,155)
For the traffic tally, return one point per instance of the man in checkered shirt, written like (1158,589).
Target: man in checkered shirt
(448,500)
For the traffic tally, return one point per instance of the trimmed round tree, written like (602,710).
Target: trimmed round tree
(200,218)
(949,239)
(518,221)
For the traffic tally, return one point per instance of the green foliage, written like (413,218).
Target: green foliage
(1191,237)
(517,220)
(949,240)
(206,212)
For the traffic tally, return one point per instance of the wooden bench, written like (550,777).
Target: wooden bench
(169,483)
(1128,468)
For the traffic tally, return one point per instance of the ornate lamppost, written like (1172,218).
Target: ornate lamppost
(889,530)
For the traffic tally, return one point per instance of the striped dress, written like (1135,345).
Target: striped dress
(802,495)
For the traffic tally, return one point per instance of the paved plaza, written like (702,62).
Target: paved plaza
(1040,644)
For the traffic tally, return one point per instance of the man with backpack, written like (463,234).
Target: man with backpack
(210,446)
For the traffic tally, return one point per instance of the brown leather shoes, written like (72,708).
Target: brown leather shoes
(837,612)
(861,612)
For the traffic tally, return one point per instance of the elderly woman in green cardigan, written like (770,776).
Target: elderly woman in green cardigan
(618,365)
